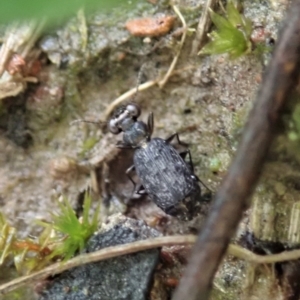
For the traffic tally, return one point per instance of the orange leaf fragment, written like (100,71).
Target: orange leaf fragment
(155,26)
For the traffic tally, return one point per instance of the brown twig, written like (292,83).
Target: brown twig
(119,250)
(247,255)
(133,91)
(232,199)
(127,95)
(162,82)
(103,254)
(202,27)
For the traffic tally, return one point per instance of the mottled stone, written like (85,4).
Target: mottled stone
(125,277)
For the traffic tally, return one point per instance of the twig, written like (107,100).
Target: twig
(103,254)
(232,199)
(162,82)
(202,27)
(247,255)
(34,36)
(132,91)
(119,250)
(149,84)
(82,29)
(127,95)
(222,6)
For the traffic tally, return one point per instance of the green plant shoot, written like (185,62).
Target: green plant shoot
(34,253)
(232,35)
(76,232)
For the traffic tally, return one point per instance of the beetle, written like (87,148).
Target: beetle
(164,174)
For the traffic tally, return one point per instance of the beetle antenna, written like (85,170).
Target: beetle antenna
(85,121)
(139,80)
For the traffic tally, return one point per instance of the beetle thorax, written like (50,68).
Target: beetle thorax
(136,134)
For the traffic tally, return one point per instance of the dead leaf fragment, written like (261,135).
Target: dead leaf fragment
(155,26)
(15,64)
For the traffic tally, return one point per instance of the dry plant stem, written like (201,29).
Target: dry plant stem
(20,38)
(232,198)
(111,252)
(162,82)
(103,254)
(132,91)
(149,84)
(202,27)
(247,255)
(127,95)
(222,7)
(36,33)
(82,29)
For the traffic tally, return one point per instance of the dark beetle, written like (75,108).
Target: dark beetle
(164,174)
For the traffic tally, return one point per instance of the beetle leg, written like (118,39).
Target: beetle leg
(105,186)
(150,123)
(171,138)
(137,188)
(123,146)
(128,171)
(183,154)
(140,190)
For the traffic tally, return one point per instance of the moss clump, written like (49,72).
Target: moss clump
(63,237)
(75,231)
(232,35)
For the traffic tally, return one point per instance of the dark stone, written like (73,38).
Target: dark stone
(125,277)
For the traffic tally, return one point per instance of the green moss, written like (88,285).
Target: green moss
(76,232)
(232,35)
(71,235)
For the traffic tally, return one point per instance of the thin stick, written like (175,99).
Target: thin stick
(132,91)
(162,82)
(103,254)
(151,83)
(119,250)
(247,255)
(202,27)
(127,95)
(232,198)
